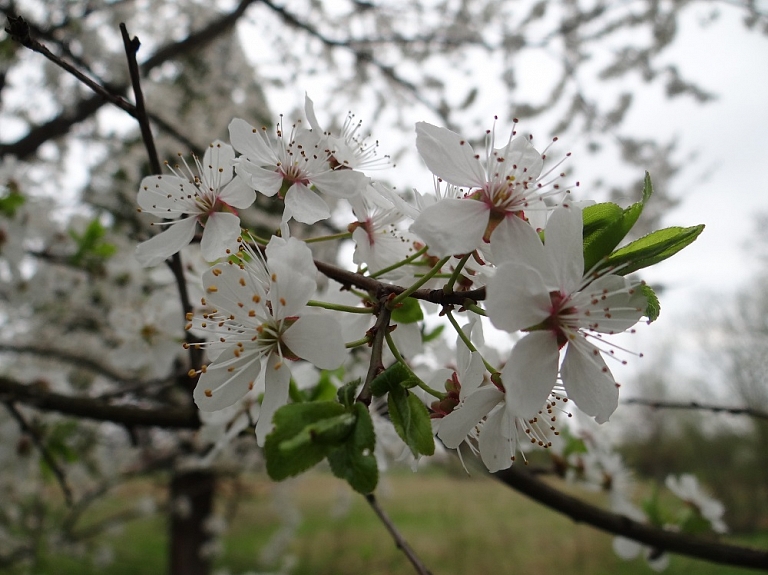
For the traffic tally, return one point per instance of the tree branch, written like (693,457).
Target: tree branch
(695,405)
(85,108)
(98,409)
(400,541)
(581,512)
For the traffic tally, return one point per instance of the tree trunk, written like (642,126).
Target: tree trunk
(191,504)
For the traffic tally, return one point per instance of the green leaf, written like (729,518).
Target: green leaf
(426,337)
(654,307)
(304,434)
(652,249)
(411,420)
(354,461)
(408,312)
(390,379)
(346,394)
(606,225)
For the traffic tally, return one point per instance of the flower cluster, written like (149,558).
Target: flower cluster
(500,228)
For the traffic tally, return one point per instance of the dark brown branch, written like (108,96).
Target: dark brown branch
(400,541)
(49,459)
(131,46)
(437,296)
(87,107)
(581,512)
(376,366)
(98,409)
(695,405)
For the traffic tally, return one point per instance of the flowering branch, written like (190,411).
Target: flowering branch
(695,405)
(400,542)
(579,511)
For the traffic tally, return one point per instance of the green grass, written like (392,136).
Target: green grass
(457,525)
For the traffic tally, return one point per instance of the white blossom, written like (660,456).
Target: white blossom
(209,198)
(543,289)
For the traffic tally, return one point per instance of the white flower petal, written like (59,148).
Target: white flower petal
(452,226)
(517,298)
(231,290)
(521,153)
(531,373)
(515,240)
(217,165)
(219,387)
(277,377)
(455,426)
(219,234)
(252,143)
(290,254)
(165,196)
(304,205)
(162,246)
(237,194)
(498,440)
(317,338)
(265,181)
(449,156)
(588,381)
(341,183)
(564,246)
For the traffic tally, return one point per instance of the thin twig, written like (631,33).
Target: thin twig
(400,541)
(131,48)
(53,465)
(695,405)
(20,31)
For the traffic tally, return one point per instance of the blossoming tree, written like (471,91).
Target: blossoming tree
(205,301)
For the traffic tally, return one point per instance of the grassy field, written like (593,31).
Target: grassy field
(458,525)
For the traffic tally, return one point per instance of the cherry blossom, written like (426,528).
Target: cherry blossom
(209,199)
(503,189)
(542,289)
(291,167)
(259,320)
(349,148)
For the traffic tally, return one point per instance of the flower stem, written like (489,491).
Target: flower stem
(357,343)
(448,287)
(339,236)
(468,342)
(404,262)
(428,276)
(399,358)
(339,307)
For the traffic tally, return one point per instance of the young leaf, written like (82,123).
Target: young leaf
(605,225)
(651,249)
(390,379)
(411,420)
(354,461)
(291,447)
(654,307)
(408,312)
(346,393)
